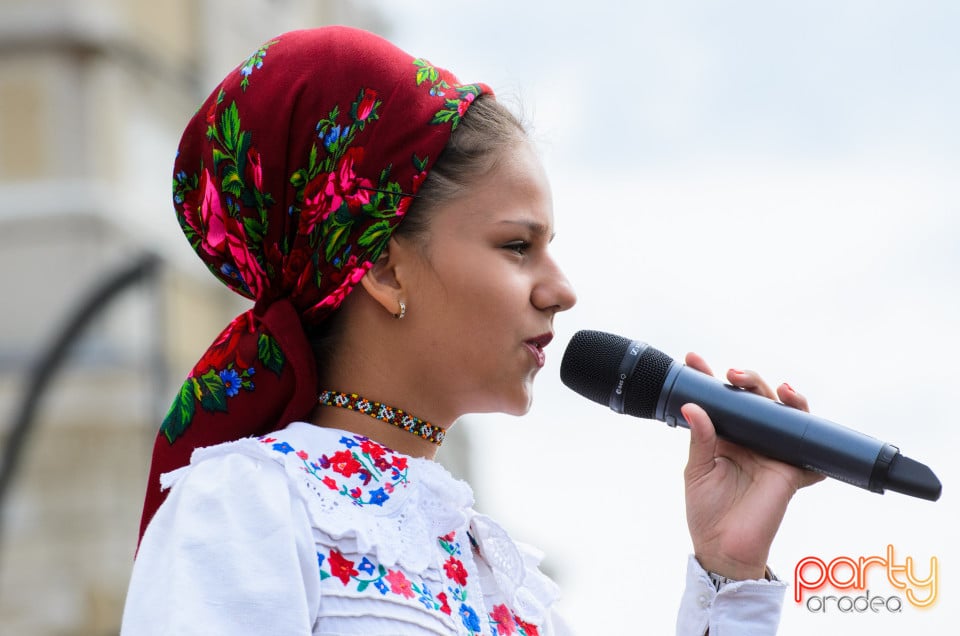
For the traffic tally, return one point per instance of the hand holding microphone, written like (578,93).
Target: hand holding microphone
(736,497)
(632,377)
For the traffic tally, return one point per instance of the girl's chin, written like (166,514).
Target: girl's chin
(518,404)
(521,405)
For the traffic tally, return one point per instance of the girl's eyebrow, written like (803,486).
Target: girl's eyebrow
(534,226)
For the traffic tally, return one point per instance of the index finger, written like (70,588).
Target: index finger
(694,361)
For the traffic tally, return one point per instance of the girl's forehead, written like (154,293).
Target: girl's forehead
(514,193)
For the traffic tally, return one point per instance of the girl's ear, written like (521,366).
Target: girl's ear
(385,280)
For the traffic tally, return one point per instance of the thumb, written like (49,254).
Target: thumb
(703,441)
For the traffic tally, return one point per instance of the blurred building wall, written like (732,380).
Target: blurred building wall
(93,97)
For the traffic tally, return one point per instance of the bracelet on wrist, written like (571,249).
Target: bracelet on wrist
(719,580)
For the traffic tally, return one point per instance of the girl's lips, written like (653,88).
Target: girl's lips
(537,351)
(536,345)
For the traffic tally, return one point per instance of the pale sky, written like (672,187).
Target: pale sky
(772,185)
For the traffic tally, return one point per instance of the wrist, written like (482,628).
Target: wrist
(732,570)
(719,581)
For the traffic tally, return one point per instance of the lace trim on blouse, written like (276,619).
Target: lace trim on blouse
(371,500)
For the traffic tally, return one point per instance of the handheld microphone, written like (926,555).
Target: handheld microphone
(632,377)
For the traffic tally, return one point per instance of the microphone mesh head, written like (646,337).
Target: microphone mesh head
(591,367)
(643,390)
(591,363)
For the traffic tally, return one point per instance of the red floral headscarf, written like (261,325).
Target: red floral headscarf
(288,183)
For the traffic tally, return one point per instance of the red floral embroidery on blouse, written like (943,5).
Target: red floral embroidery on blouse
(345,463)
(444,605)
(375,450)
(341,567)
(400,584)
(503,618)
(528,629)
(455,570)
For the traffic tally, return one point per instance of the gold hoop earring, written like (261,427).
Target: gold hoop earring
(403,311)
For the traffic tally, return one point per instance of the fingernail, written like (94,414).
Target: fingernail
(737,371)
(789,388)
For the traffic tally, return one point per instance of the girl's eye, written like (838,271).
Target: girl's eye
(520,247)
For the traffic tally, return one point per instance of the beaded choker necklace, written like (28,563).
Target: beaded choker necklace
(384,413)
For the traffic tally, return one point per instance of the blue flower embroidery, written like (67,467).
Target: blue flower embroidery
(378,496)
(332,137)
(231,381)
(469,617)
(348,442)
(426,597)
(366,566)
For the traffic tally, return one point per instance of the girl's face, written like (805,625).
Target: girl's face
(485,290)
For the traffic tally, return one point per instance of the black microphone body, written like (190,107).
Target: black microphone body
(776,430)
(632,377)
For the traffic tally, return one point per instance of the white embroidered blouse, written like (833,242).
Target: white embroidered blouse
(313,531)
